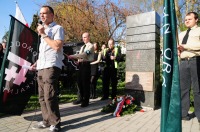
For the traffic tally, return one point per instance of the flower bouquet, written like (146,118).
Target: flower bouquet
(121,105)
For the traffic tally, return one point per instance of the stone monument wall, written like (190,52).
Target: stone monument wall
(143,59)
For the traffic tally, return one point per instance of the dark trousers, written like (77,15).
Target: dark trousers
(109,75)
(190,78)
(93,85)
(47,87)
(84,81)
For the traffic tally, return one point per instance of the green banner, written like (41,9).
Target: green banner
(17,82)
(171,98)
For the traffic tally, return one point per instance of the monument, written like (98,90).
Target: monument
(143,59)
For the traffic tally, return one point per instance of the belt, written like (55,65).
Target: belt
(191,58)
(83,62)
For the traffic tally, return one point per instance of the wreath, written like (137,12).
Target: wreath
(121,105)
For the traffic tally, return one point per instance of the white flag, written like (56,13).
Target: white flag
(19,16)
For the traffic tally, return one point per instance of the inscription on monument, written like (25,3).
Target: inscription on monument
(143,30)
(139,81)
(140,60)
(141,45)
(144,37)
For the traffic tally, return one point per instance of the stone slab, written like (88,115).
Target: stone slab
(142,98)
(143,38)
(141,45)
(139,81)
(143,30)
(140,60)
(149,18)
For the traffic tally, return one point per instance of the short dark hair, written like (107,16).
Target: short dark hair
(97,43)
(1,47)
(49,7)
(112,40)
(195,14)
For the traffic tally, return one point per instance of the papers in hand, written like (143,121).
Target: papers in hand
(26,67)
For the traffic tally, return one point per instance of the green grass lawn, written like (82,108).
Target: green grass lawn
(68,95)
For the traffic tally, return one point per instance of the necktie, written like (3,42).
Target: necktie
(83,48)
(186,37)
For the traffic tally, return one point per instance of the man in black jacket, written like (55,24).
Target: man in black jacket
(111,56)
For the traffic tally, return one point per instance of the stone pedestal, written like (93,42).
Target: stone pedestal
(143,59)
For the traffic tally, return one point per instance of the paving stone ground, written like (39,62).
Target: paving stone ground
(91,119)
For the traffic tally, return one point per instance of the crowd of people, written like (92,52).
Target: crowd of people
(92,62)
(89,60)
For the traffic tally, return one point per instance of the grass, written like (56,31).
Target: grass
(192,109)
(34,103)
(68,95)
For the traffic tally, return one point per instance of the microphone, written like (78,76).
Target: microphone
(40,22)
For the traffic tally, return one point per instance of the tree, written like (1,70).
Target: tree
(182,7)
(5,37)
(35,22)
(103,19)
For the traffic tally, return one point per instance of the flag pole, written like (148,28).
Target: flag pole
(19,15)
(177,39)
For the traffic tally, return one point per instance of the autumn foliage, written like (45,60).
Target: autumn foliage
(102,20)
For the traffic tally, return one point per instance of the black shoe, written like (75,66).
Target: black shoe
(186,118)
(192,115)
(104,98)
(77,102)
(94,97)
(84,104)
(55,128)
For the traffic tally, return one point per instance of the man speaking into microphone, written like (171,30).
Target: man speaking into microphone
(49,66)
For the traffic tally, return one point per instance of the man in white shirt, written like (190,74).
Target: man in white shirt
(189,52)
(49,66)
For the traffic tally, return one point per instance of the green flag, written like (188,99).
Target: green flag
(171,98)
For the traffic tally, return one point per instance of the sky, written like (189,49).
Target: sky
(8,7)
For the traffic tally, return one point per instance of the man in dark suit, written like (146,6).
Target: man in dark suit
(84,57)
(111,56)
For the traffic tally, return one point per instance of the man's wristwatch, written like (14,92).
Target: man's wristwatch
(44,36)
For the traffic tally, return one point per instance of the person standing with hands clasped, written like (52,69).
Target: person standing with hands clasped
(85,57)
(111,56)
(189,52)
(49,66)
